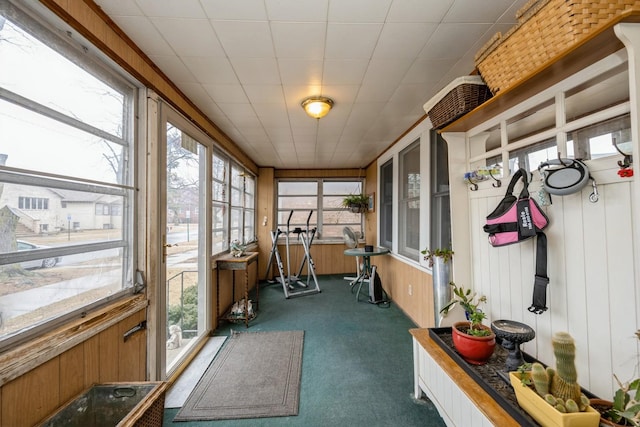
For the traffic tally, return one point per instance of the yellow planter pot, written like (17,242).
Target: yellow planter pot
(547,415)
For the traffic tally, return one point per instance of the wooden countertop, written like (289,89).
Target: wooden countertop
(480,398)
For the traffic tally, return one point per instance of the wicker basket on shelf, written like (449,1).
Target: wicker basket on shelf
(544,30)
(456,99)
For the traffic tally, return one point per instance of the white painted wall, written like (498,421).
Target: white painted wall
(593,260)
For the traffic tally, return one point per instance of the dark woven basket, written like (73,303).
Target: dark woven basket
(462,99)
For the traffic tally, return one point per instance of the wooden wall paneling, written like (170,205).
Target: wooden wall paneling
(30,398)
(265,209)
(91,360)
(109,354)
(129,358)
(72,373)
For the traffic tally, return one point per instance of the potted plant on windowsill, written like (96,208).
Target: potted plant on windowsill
(556,398)
(356,203)
(474,341)
(439,260)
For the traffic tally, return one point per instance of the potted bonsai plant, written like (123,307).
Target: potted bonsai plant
(625,408)
(556,398)
(474,341)
(356,203)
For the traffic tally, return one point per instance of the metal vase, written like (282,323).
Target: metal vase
(441,288)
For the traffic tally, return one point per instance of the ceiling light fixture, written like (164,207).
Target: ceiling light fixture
(317,106)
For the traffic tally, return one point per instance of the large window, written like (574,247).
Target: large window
(386,204)
(234,193)
(66,157)
(440,236)
(318,204)
(409,203)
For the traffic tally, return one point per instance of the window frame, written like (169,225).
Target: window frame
(89,59)
(319,209)
(422,135)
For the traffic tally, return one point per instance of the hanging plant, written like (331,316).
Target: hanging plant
(357,203)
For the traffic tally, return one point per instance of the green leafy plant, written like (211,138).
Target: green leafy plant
(356,202)
(446,254)
(470,302)
(626,401)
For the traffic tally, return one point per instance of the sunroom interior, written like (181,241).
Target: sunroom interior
(141,142)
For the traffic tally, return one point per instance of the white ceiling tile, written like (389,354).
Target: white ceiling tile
(447,35)
(265,94)
(418,10)
(299,40)
(235,10)
(272,114)
(358,10)
(428,71)
(382,60)
(362,40)
(226,94)
(119,7)
(147,37)
(245,39)
(403,40)
(256,70)
(375,93)
(344,72)
(172,8)
(300,72)
(210,70)
(509,16)
(189,37)
(279,134)
(174,68)
(297,10)
(384,72)
(341,94)
(486,11)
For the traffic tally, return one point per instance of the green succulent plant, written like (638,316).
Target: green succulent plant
(559,387)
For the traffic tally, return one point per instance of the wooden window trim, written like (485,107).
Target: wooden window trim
(25,357)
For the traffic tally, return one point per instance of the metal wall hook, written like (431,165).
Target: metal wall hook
(497,183)
(627,160)
(561,161)
(593,197)
(472,185)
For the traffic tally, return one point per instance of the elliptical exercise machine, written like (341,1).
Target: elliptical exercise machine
(292,284)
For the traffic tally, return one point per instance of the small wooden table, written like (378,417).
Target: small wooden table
(229,262)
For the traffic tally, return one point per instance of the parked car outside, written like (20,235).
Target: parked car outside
(36,263)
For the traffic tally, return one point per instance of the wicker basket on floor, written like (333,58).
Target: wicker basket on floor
(545,29)
(453,102)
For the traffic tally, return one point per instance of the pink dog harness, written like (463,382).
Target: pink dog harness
(516,219)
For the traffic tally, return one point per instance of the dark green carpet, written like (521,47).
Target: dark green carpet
(357,366)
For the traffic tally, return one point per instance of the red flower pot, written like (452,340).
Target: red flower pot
(475,350)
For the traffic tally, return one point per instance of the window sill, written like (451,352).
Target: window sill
(25,357)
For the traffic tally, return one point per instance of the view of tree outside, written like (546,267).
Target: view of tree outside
(66,198)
